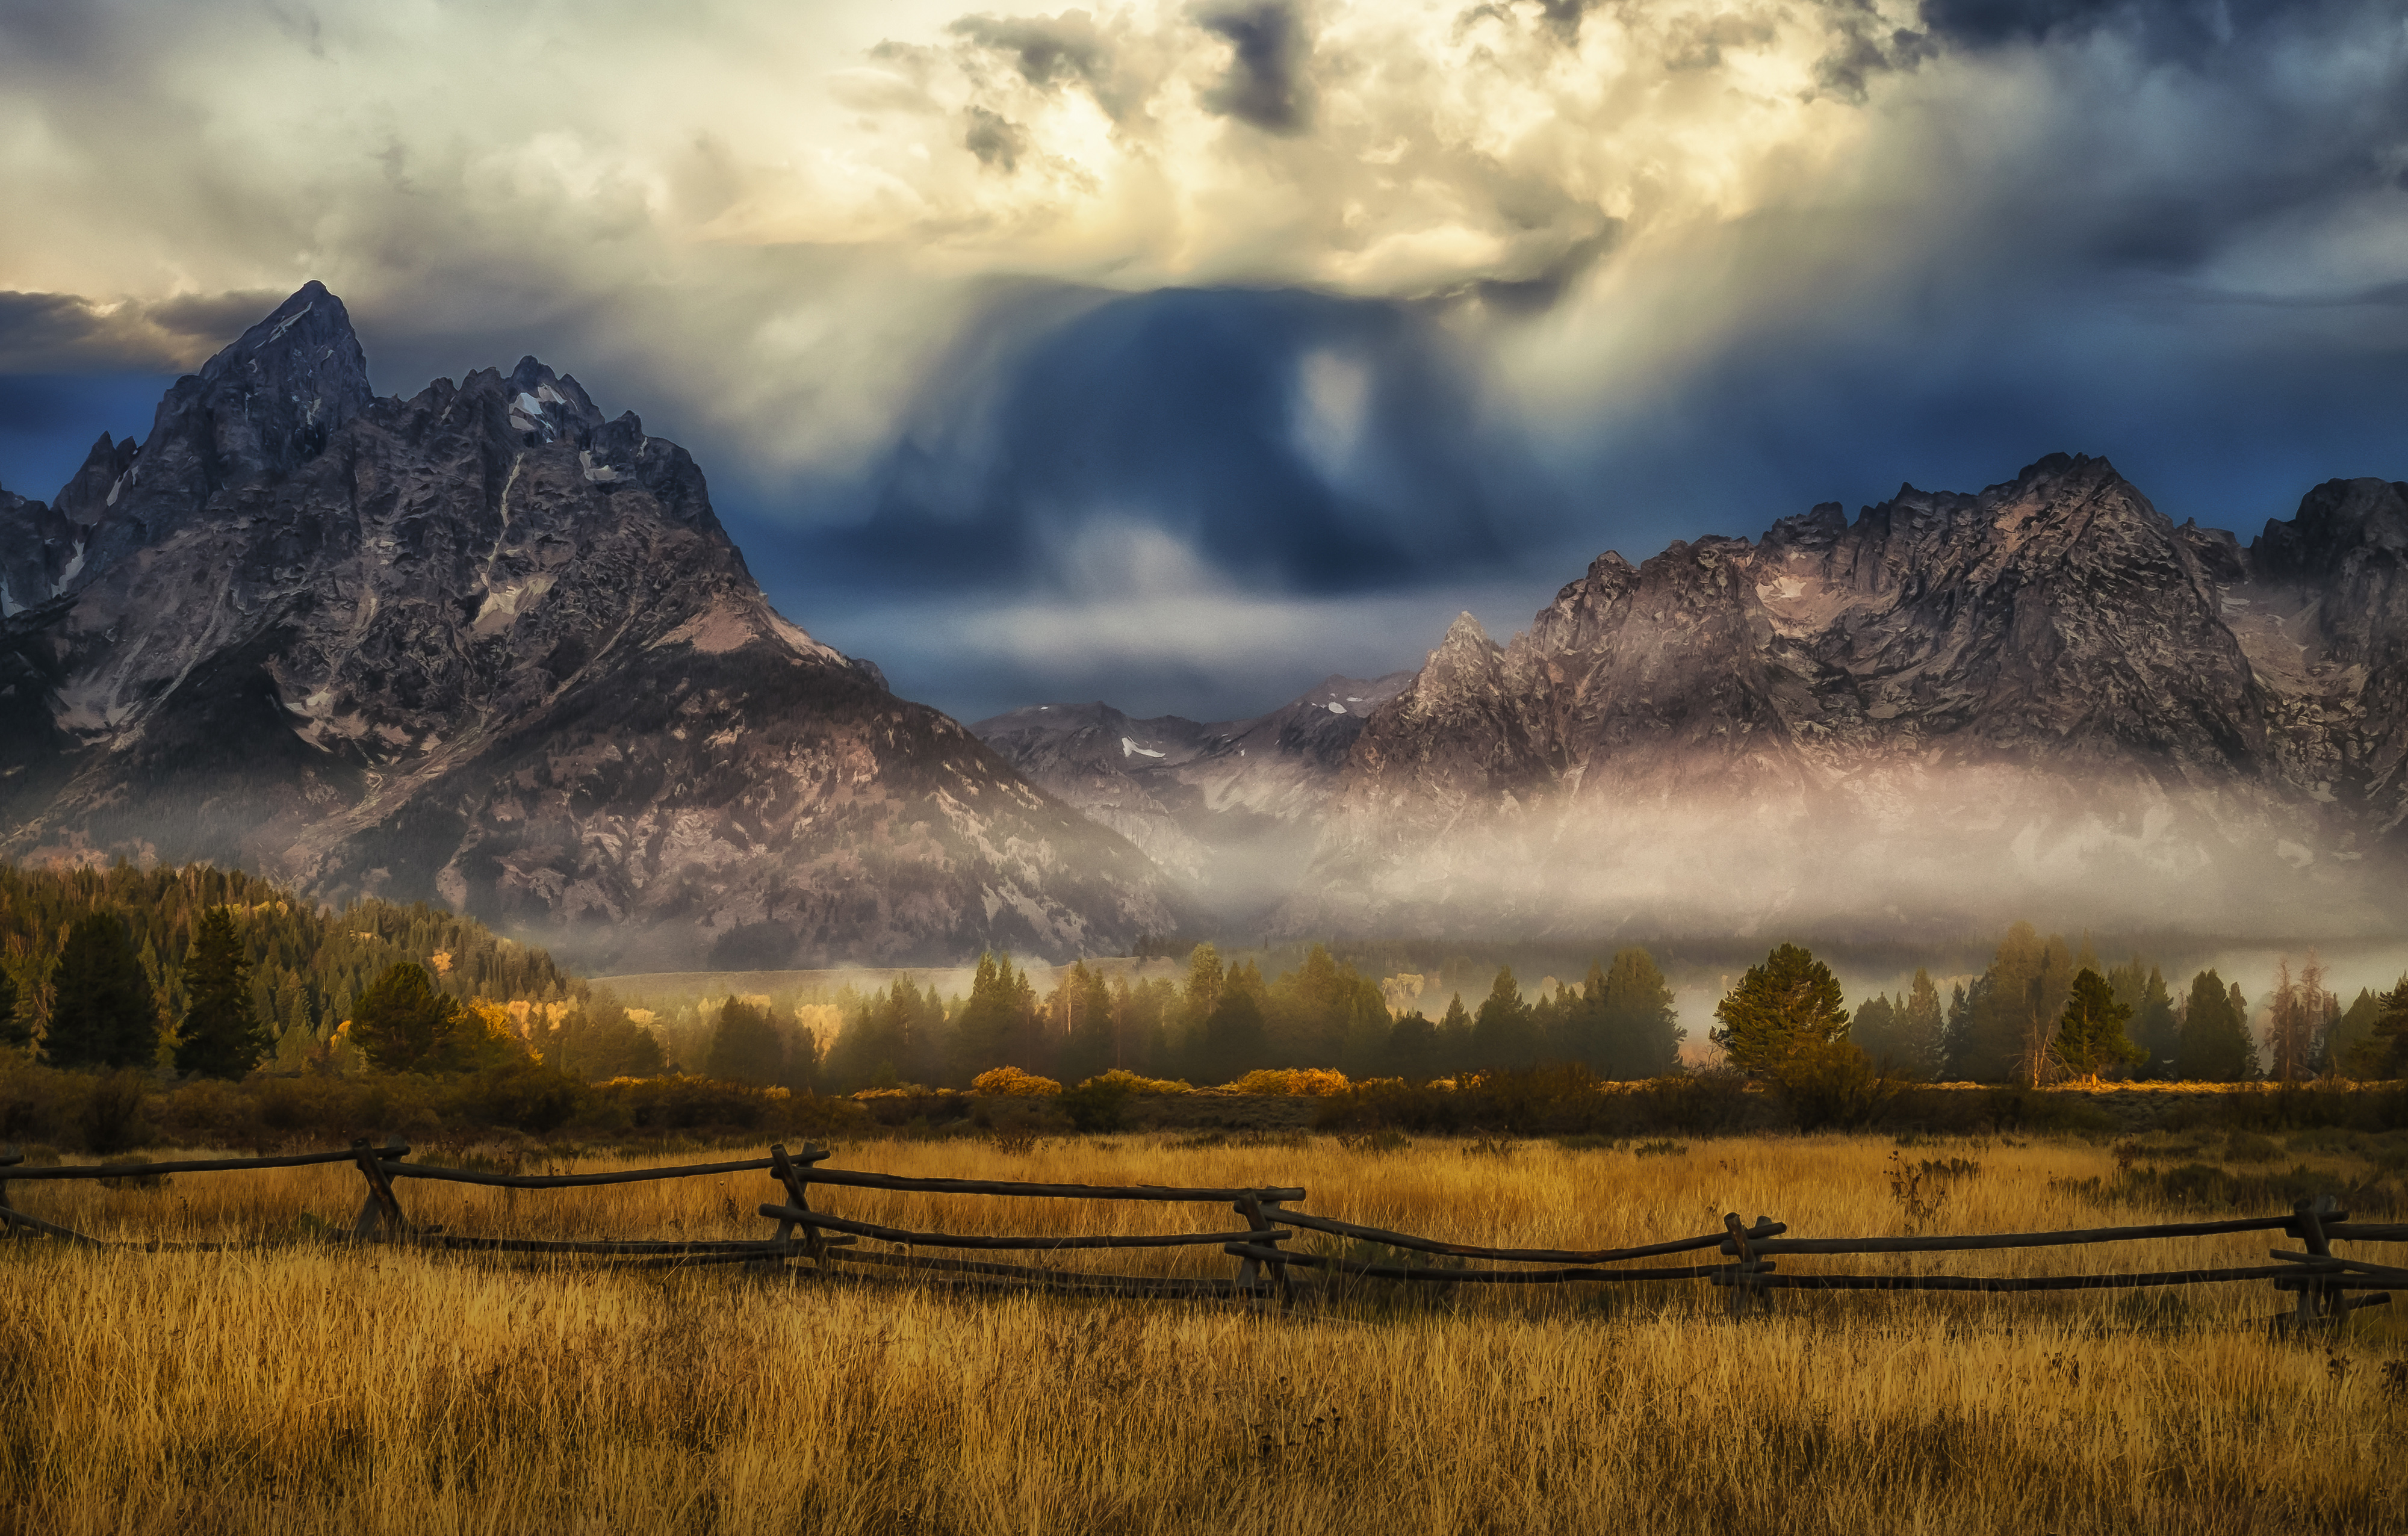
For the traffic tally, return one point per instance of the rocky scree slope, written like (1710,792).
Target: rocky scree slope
(1228,806)
(484,646)
(2042,697)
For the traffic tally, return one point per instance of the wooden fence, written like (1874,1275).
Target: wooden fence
(2322,1282)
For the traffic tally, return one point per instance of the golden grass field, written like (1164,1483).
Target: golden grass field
(301,1386)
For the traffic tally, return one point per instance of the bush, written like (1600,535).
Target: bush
(1012,1082)
(1289,1081)
(1096,1104)
(520,1095)
(111,1119)
(1832,1084)
(1143,1087)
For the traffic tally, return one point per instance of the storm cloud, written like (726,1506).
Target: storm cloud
(1031,353)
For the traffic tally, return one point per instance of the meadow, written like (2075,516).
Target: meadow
(298,1384)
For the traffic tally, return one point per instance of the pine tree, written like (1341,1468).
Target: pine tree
(221,1036)
(1413,1048)
(1455,1038)
(1638,1033)
(1922,1039)
(14,1030)
(1878,1029)
(402,1024)
(2385,1050)
(2346,1043)
(2090,1034)
(2215,1045)
(1502,1032)
(745,1046)
(103,1012)
(1234,1041)
(1790,1003)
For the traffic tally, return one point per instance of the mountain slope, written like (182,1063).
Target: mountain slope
(2045,695)
(1221,805)
(484,645)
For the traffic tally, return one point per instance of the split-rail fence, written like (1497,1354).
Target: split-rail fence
(2326,1286)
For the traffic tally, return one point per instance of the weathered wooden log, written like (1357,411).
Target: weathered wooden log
(18,1218)
(2366,1231)
(214,1165)
(1986,1241)
(571,1181)
(797,1196)
(2338,1264)
(1070,1280)
(635,1246)
(951,1240)
(1512,1256)
(2001,1282)
(1473,1277)
(854,1179)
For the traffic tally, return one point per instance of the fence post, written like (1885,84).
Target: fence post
(795,1180)
(1258,1213)
(381,1210)
(10,1157)
(2318,1307)
(1747,1290)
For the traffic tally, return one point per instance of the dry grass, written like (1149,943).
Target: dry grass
(301,1387)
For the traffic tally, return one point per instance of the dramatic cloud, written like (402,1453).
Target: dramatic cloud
(1369,308)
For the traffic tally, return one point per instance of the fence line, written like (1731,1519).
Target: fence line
(2320,1281)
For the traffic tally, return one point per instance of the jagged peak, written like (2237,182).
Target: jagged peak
(1466,630)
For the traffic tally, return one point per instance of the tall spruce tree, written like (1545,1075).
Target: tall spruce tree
(1789,1003)
(221,1036)
(2215,1043)
(2090,1033)
(1503,1033)
(1923,1039)
(746,1047)
(14,1029)
(1454,1037)
(103,1012)
(402,1024)
(1638,1032)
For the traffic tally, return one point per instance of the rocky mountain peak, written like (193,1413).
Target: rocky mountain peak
(2339,522)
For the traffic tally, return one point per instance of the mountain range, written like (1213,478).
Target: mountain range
(487,647)
(484,646)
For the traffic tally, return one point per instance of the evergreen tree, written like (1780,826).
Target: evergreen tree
(1204,981)
(1638,1032)
(1503,1035)
(103,1010)
(1957,1044)
(745,1047)
(1234,1041)
(1790,1003)
(1413,1048)
(2090,1034)
(991,1026)
(14,1029)
(221,1036)
(2155,1030)
(2346,1042)
(1878,1029)
(403,1023)
(1923,1031)
(2384,1054)
(2013,1011)
(2215,1043)
(1455,1038)
(1083,1004)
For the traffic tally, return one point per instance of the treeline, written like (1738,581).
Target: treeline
(2004,1026)
(303,967)
(1222,1021)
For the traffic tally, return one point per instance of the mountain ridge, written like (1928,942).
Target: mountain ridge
(484,644)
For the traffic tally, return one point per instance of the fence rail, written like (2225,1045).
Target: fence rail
(2321,1281)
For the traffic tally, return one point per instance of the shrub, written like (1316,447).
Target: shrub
(1142,1087)
(520,1095)
(1290,1082)
(1012,1082)
(1096,1104)
(111,1119)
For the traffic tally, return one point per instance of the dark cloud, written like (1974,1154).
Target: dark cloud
(1050,51)
(1194,412)
(2166,28)
(1266,84)
(995,139)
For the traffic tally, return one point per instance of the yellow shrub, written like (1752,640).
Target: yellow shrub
(1012,1082)
(1299,1081)
(1143,1087)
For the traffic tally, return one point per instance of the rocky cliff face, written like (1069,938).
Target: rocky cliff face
(1225,806)
(2045,698)
(485,646)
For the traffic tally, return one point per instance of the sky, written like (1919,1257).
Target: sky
(1179,355)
